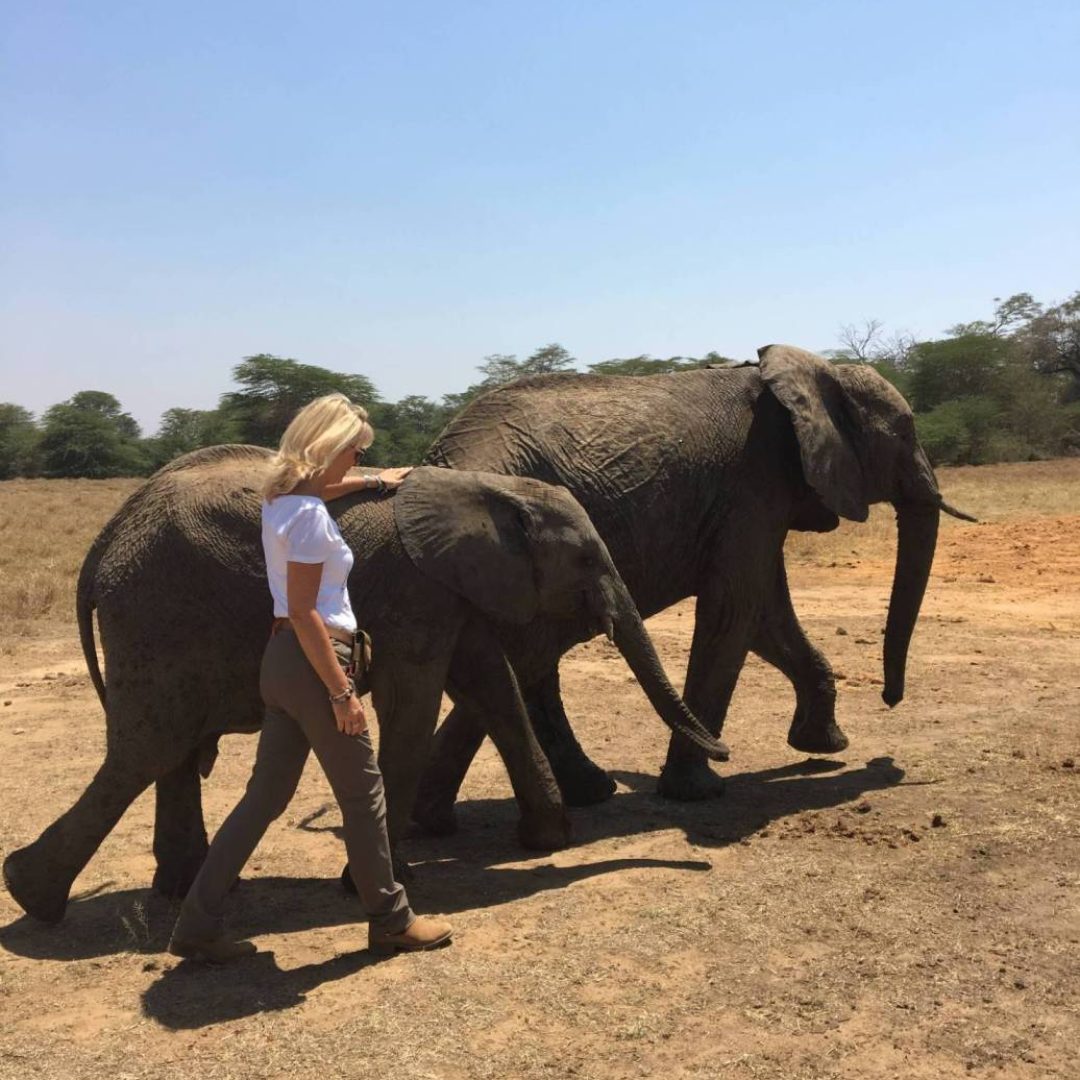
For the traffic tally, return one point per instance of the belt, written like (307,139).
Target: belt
(338,635)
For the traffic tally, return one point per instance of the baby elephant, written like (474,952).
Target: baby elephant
(444,566)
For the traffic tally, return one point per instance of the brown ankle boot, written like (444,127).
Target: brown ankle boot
(422,933)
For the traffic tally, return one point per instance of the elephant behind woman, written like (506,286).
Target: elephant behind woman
(694,479)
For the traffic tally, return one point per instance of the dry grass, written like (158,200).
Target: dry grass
(1018,490)
(46,527)
(992,493)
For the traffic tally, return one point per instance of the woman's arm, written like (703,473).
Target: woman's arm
(302,590)
(391,479)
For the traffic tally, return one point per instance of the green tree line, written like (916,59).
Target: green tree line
(1001,389)
(90,435)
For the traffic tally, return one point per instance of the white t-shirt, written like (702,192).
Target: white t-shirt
(299,528)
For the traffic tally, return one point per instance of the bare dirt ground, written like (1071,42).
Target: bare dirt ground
(910,909)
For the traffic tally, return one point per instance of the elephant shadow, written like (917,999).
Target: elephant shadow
(459,873)
(755,799)
(752,800)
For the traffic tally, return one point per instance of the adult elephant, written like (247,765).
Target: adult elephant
(693,480)
(442,565)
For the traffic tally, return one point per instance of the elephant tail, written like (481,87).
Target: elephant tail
(85,603)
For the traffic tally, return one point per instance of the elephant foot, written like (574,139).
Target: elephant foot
(816,738)
(583,783)
(173,878)
(436,818)
(544,833)
(39,896)
(689,782)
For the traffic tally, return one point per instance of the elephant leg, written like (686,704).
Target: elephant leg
(179,832)
(722,629)
(453,748)
(780,640)
(581,781)
(482,678)
(406,699)
(40,875)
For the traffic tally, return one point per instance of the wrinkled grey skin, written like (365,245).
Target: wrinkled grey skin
(694,480)
(178,581)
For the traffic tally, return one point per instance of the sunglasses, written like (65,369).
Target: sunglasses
(358,454)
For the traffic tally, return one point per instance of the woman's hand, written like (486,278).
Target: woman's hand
(350,485)
(392,477)
(349,715)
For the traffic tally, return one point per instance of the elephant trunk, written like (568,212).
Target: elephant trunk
(619,618)
(917,525)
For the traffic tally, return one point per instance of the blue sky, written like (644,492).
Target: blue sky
(398,189)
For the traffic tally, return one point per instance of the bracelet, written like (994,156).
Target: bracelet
(337,699)
(380,484)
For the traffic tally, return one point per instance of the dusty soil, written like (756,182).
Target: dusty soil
(911,909)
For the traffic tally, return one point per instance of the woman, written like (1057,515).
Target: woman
(310,700)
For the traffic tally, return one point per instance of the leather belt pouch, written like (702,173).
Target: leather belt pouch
(356,660)
(361,662)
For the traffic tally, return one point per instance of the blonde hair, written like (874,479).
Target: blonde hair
(316,435)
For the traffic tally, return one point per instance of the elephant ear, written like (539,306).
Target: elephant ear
(467,531)
(823,418)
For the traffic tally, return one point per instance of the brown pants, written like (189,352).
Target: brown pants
(299,718)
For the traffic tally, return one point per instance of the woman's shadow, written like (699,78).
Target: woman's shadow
(458,873)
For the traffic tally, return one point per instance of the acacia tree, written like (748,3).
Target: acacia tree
(274,388)
(90,435)
(637,365)
(500,368)
(650,365)
(1010,315)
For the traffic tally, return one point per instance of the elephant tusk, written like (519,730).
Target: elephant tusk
(953,512)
